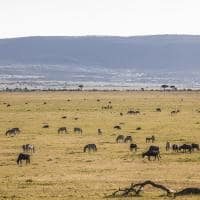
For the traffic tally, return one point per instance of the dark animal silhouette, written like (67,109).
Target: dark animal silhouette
(175,147)
(185,148)
(28,148)
(154,148)
(99,131)
(62,130)
(128,139)
(133,112)
(158,109)
(175,111)
(78,130)
(195,146)
(12,131)
(64,117)
(23,156)
(133,147)
(152,153)
(45,126)
(90,147)
(120,138)
(150,139)
(107,107)
(117,127)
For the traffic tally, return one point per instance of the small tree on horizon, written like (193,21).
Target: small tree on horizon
(164,87)
(80,87)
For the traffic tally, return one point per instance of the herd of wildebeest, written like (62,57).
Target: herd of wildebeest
(153,151)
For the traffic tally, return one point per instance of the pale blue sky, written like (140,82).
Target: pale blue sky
(98,17)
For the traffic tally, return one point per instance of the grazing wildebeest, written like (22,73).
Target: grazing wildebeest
(23,156)
(138,128)
(185,147)
(62,130)
(121,114)
(175,147)
(158,109)
(133,147)
(28,148)
(64,117)
(99,131)
(128,139)
(154,148)
(175,111)
(45,126)
(168,145)
(134,112)
(120,138)
(12,131)
(150,139)
(117,127)
(90,147)
(78,130)
(195,146)
(152,153)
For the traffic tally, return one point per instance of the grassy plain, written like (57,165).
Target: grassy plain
(59,169)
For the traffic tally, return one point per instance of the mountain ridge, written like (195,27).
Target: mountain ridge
(153,52)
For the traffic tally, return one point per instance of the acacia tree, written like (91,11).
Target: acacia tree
(80,87)
(164,87)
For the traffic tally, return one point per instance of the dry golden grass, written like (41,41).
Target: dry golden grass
(60,170)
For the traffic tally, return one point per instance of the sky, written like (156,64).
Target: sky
(98,17)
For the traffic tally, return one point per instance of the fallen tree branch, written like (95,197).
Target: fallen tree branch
(135,189)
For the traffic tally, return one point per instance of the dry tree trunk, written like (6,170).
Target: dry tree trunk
(137,188)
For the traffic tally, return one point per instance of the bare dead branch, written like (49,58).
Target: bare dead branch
(135,189)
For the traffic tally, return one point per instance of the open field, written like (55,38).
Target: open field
(60,170)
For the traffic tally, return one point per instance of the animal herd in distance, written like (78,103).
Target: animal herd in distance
(153,151)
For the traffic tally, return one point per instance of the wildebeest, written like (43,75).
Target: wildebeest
(120,138)
(128,139)
(107,107)
(195,146)
(90,147)
(99,131)
(134,112)
(150,139)
(158,109)
(152,153)
(175,111)
(12,131)
(117,127)
(28,148)
(154,148)
(121,114)
(185,147)
(168,145)
(45,126)
(64,117)
(23,156)
(78,130)
(133,147)
(175,147)
(62,130)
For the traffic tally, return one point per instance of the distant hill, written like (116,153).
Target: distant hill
(143,53)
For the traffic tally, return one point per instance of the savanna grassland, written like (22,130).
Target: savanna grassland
(59,169)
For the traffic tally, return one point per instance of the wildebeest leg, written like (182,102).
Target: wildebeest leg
(149,158)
